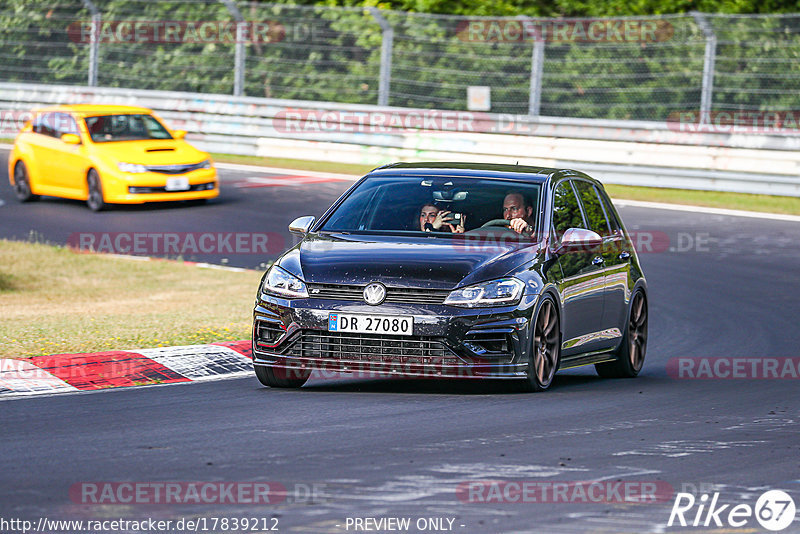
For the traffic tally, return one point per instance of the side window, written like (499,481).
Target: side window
(616,228)
(566,213)
(64,123)
(595,215)
(43,124)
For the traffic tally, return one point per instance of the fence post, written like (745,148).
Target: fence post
(240,52)
(709,59)
(537,65)
(94,41)
(387,43)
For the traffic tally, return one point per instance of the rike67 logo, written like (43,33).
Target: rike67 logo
(774,510)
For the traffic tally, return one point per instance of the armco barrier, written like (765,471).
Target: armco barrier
(621,152)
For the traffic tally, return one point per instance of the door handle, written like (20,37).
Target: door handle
(624,255)
(597,260)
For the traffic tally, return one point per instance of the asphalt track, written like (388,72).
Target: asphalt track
(402,448)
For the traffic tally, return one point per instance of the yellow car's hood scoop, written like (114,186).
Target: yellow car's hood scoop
(153,152)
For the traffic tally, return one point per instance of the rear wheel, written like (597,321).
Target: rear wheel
(545,348)
(22,184)
(631,352)
(95,200)
(281,378)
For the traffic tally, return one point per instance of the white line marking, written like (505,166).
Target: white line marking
(710,211)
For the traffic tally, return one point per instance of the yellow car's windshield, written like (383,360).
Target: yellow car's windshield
(105,128)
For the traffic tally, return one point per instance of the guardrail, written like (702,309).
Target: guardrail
(620,152)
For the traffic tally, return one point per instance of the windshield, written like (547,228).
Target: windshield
(412,205)
(107,128)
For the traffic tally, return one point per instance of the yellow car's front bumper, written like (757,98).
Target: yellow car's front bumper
(127,188)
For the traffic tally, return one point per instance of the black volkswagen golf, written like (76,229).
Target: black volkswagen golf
(455,270)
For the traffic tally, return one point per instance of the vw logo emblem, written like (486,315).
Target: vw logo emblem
(374,293)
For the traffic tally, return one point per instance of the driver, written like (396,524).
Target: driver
(431,219)
(518,211)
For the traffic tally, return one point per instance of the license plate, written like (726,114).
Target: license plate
(363,323)
(177,184)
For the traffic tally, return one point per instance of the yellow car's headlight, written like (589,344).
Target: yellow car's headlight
(131,167)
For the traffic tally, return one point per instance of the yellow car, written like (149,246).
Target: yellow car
(107,154)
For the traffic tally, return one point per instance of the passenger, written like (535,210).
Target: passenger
(519,212)
(431,219)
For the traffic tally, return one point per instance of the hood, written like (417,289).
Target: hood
(420,262)
(151,152)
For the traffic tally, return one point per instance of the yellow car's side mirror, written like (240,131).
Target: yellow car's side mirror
(179,134)
(71,139)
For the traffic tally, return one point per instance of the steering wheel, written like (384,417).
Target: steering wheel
(496,222)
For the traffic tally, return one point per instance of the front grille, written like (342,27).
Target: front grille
(424,350)
(137,190)
(176,169)
(393,294)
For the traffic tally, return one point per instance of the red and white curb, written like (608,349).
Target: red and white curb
(69,373)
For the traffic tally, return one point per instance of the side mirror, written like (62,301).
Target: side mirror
(302,225)
(71,139)
(179,134)
(579,239)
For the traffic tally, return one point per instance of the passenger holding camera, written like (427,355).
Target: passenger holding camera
(433,219)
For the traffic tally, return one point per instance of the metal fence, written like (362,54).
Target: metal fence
(622,68)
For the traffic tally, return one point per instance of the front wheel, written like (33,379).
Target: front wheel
(281,378)
(95,200)
(545,348)
(630,354)
(22,184)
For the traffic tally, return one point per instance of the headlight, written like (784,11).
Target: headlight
(131,167)
(280,282)
(204,164)
(497,292)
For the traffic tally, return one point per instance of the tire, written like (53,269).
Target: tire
(545,350)
(631,352)
(277,378)
(95,200)
(22,184)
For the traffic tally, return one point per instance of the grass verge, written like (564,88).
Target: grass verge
(296,164)
(56,301)
(712,199)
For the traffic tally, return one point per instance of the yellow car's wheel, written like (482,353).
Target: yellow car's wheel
(22,183)
(95,199)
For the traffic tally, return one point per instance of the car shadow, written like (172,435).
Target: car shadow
(439,386)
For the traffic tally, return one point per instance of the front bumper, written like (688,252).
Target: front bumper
(126,188)
(447,341)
